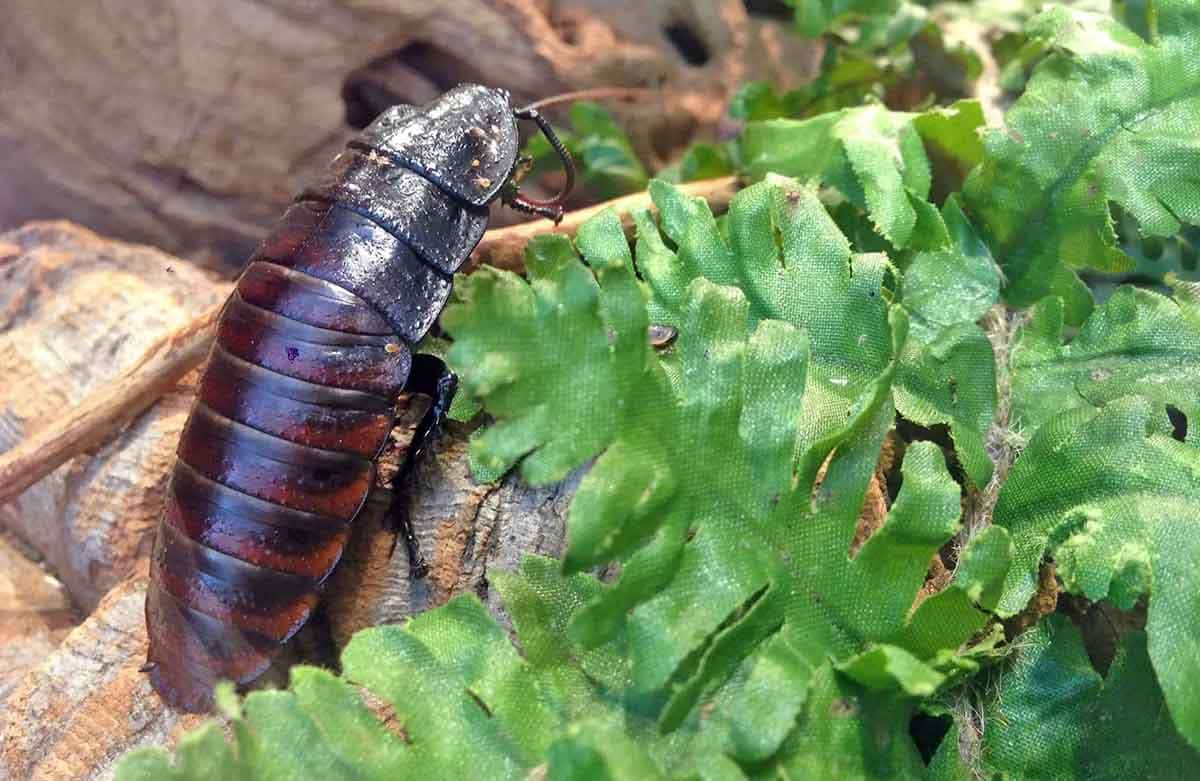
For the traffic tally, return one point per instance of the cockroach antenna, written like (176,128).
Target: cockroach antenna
(628,94)
(552,208)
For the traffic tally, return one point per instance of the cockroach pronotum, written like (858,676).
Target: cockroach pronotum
(315,343)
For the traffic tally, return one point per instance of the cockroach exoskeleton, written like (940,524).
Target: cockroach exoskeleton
(299,396)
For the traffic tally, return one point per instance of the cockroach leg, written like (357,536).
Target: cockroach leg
(551,209)
(522,169)
(430,377)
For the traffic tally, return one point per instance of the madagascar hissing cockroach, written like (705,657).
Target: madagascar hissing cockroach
(313,347)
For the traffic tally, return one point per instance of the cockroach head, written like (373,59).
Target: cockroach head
(465,141)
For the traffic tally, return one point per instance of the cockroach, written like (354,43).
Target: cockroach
(314,345)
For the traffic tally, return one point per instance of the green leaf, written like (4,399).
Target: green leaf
(945,639)
(891,52)
(951,380)
(1053,716)
(599,751)
(449,731)
(948,763)
(705,459)
(1157,261)
(201,755)
(847,732)
(1187,297)
(704,161)
(756,709)
(848,77)
(924,516)
(834,620)
(560,409)
(607,160)
(814,17)
(947,371)
(1105,117)
(758,100)
(765,380)
(952,140)
(874,157)
(451,696)
(1138,342)
(950,285)
(1111,497)
(951,617)
(887,666)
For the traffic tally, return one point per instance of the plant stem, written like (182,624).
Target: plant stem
(108,409)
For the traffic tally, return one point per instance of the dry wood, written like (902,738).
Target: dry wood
(190,125)
(86,704)
(35,615)
(465,529)
(108,410)
(76,310)
(101,415)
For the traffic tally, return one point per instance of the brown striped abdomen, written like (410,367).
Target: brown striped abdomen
(276,460)
(278,455)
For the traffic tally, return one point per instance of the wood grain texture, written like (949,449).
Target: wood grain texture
(35,615)
(76,311)
(74,714)
(465,530)
(58,438)
(190,126)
